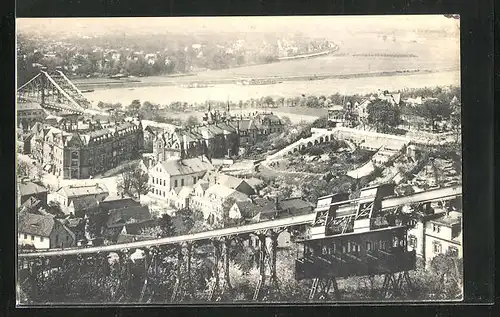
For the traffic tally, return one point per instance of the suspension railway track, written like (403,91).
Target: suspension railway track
(388,203)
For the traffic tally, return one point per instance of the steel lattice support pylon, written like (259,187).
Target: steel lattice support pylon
(393,284)
(267,260)
(320,288)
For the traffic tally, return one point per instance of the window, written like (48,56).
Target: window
(25,236)
(436,228)
(453,251)
(41,239)
(437,247)
(194,179)
(368,245)
(32,238)
(182,182)
(382,244)
(67,238)
(412,241)
(175,183)
(57,238)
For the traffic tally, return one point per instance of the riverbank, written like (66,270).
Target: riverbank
(165,94)
(160,81)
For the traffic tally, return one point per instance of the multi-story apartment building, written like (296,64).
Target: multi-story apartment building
(175,174)
(436,233)
(219,136)
(83,153)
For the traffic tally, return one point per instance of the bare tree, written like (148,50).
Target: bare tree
(125,182)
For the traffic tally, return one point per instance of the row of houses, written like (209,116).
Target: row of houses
(220,135)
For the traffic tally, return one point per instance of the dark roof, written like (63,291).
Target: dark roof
(73,222)
(246,124)
(111,203)
(35,224)
(125,215)
(249,209)
(31,203)
(124,238)
(85,203)
(135,227)
(295,205)
(30,188)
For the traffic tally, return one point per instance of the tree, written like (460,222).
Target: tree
(166,226)
(226,206)
(134,106)
(435,109)
(383,115)
(140,182)
(125,182)
(286,121)
(192,121)
(54,208)
(23,168)
(268,100)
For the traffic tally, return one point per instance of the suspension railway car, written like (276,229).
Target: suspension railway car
(354,238)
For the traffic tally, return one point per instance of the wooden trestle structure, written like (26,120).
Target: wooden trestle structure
(345,238)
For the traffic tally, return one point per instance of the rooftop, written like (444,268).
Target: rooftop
(72,191)
(128,214)
(449,219)
(186,167)
(35,224)
(24,106)
(30,188)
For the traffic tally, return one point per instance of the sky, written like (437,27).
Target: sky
(309,25)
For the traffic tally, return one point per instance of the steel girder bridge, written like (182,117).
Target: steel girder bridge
(346,212)
(53,91)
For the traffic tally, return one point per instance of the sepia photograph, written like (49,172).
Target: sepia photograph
(238,160)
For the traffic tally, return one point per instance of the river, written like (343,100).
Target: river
(166,94)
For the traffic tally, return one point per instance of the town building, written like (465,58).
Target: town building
(239,184)
(73,153)
(213,200)
(127,220)
(176,173)
(28,113)
(221,135)
(436,233)
(336,115)
(28,189)
(73,197)
(43,232)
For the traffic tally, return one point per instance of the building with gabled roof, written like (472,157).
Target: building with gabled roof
(67,194)
(238,184)
(28,189)
(176,173)
(43,232)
